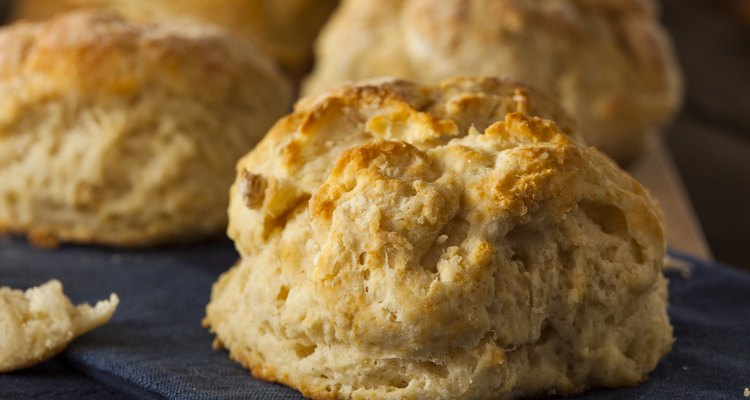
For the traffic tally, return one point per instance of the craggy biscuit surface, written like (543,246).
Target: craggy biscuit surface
(609,62)
(444,241)
(37,324)
(126,134)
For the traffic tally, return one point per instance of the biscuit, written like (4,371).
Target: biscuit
(610,63)
(443,241)
(125,134)
(39,323)
(285,29)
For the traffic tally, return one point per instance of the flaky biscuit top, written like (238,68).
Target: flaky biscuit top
(395,182)
(99,51)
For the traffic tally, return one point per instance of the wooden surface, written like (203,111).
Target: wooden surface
(656,170)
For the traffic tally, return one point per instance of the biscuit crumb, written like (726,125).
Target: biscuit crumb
(684,267)
(746,393)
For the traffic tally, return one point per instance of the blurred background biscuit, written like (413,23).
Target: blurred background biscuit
(610,63)
(124,134)
(285,29)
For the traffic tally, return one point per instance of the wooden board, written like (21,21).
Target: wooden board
(656,170)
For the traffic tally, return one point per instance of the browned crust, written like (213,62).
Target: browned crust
(100,51)
(92,56)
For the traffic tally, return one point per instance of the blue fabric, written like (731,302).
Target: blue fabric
(156,348)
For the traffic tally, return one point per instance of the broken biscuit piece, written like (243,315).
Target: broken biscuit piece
(39,323)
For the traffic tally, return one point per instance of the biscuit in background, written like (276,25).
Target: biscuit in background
(285,29)
(125,134)
(610,63)
(39,323)
(443,241)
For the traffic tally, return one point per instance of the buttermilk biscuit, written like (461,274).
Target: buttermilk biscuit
(125,134)
(39,323)
(285,29)
(609,62)
(401,241)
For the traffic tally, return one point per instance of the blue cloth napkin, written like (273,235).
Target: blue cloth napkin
(155,347)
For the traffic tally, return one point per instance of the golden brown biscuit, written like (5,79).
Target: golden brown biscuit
(125,134)
(285,29)
(443,241)
(37,324)
(610,63)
